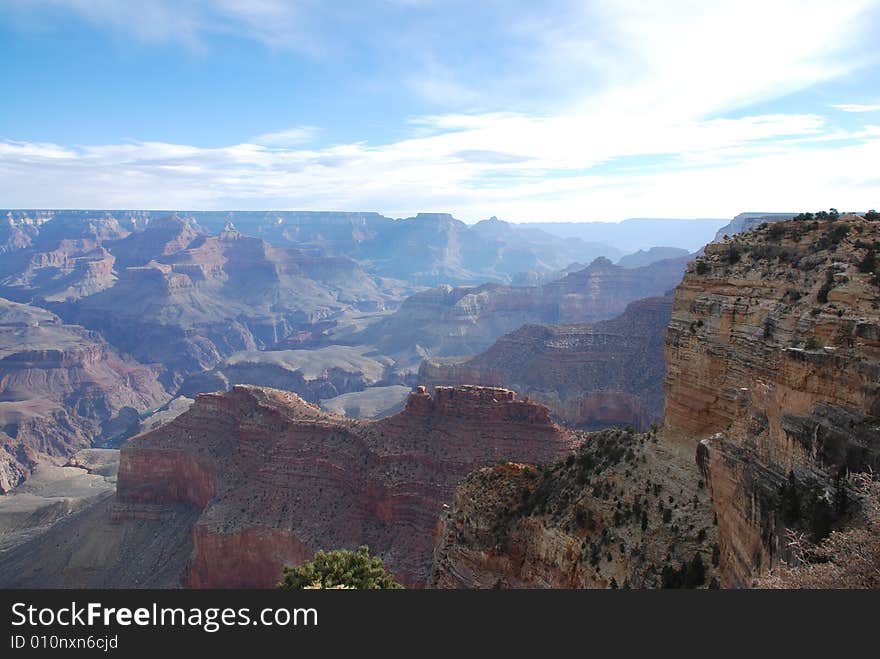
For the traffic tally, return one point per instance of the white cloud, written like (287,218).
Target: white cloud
(856,107)
(525,168)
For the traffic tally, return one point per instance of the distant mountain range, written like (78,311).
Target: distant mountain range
(428,249)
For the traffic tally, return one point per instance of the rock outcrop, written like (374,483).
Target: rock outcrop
(277,479)
(773,377)
(624,511)
(748,221)
(62,388)
(590,375)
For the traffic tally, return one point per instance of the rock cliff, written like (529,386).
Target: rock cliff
(277,479)
(62,388)
(590,375)
(773,377)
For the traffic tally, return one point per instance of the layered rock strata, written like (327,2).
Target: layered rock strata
(624,511)
(62,388)
(590,375)
(277,479)
(773,376)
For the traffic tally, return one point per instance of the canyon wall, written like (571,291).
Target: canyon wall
(277,479)
(451,321)
(773,378)
(590,375)
(62,388)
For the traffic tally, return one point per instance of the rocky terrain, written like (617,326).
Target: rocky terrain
(748,221)
(189,309)
(624,511)
(62,388)
(276,478)
(428,249)
(771,400)
(56,259)
(772,361)
(590,375)
(454,321)
(371,403)
(648,256)
(312,374)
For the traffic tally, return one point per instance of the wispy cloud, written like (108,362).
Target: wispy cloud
(277,23)
(857,107)
(515,166)
(530,112)
(288,137)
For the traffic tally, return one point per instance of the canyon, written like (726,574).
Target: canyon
(590,375)
(454,321)
(62,388)
(659,425)
(770,403)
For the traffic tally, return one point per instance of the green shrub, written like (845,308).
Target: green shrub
(340,568)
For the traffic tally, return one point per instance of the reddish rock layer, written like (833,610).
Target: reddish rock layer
(278,479)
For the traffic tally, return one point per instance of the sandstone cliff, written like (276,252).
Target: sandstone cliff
(773,377)
(590,375)
(277,479)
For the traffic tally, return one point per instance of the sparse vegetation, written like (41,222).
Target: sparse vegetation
(828,284)
(340,568)
(848,558)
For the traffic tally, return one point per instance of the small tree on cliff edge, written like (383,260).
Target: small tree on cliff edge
(340,568)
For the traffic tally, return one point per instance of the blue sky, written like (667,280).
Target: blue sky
(528,111)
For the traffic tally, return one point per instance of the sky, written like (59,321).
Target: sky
(529,111)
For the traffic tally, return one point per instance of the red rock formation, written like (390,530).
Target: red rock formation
(278,479)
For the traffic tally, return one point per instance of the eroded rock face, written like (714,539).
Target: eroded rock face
(453,321)
(199,299)
(62,388)
(591,375)
(277,478)
(624,511)
(314,375)
(773,364)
